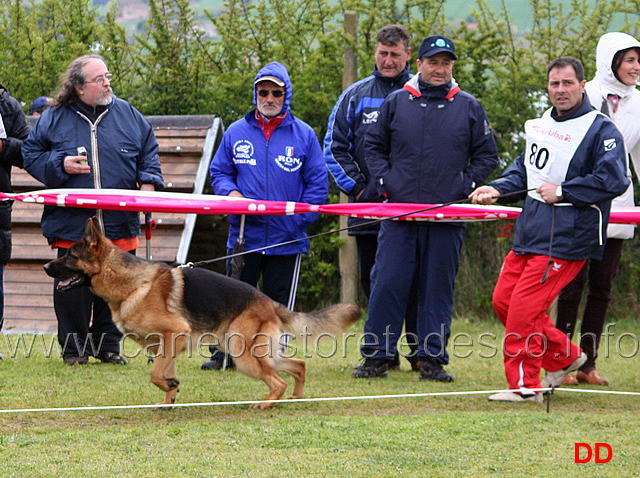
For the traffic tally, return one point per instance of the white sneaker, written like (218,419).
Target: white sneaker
(555,379)
(515,397)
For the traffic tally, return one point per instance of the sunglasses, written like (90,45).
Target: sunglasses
(275,93)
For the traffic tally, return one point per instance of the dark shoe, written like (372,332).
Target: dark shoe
(111,357)
(395,363)
(73,359)
(432,370)
(592,378)
(416,365)
(372,368)
(1,357)
(217,364)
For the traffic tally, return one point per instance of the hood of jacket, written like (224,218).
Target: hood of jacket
(403,76)
(608,45)
(3,92)
(279,71)
(413,86)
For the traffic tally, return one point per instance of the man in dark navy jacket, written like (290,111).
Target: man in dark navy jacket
(573,166)
(432,143)
(13,130)
(355,111)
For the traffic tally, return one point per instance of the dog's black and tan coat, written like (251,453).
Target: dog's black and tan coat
(164,308)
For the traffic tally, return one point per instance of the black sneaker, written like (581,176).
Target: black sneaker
(372,368)
(217,364)
(111,357)
(432,370)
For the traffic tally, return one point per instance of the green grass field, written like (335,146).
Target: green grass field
(417,436)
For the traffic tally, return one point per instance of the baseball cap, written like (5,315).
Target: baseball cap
(436,44)
(271,78)
(39,102)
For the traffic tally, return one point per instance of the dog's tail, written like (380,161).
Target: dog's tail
(330,320)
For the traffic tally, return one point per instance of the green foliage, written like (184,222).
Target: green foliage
(172,68)
(119,54)
(39,42)
(173,60)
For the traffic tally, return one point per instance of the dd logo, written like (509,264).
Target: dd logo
(598,447)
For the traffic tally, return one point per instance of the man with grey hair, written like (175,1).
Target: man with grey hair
(89,138)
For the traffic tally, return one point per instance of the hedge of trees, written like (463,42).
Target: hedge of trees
(172,68)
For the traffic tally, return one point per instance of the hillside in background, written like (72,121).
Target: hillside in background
(133,13)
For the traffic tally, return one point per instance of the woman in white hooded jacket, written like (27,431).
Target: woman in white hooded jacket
(612,91)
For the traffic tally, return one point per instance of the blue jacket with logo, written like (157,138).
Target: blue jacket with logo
(577,224)
(353,113)
(122,152)
(430,146)
(288,167)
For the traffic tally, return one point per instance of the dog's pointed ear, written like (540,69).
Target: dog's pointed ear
(92,230)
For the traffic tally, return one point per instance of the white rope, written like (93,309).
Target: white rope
(299,400)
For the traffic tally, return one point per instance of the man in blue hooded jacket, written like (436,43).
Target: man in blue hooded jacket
(272,155)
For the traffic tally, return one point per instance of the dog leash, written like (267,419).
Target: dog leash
(347,228)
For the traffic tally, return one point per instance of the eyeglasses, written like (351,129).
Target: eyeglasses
(101,79)
(275,93)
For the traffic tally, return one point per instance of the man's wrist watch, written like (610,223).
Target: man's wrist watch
(559,192)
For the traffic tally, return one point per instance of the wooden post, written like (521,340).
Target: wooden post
(348,254)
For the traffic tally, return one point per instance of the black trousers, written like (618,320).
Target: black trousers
(85,326)
(599,276)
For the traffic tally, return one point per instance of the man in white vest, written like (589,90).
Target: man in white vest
(572,167)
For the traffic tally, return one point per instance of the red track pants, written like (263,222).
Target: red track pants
(521,302)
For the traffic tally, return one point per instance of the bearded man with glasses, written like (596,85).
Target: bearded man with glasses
(89,138)
(272,155)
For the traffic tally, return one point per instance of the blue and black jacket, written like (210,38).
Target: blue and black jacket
(354,112)
(578,223)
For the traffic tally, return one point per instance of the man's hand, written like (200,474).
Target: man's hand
(484,195)
(76,165)
(548,192)
(235,194)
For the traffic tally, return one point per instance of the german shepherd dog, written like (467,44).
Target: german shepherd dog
(163,308)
